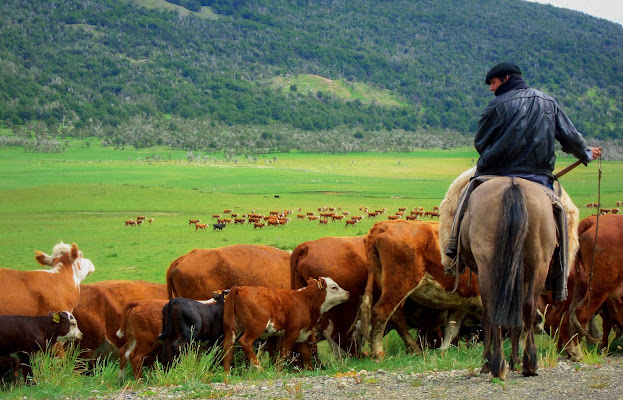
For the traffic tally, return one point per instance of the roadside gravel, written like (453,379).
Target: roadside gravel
(567,380)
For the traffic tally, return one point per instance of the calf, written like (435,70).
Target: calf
(140,327)
(100,313)
(259,312)
(26,335)
(185,320)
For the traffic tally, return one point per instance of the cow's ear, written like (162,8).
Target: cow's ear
(321,283)
(43,258)
(75,253)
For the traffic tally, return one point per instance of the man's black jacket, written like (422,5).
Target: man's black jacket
(517,134)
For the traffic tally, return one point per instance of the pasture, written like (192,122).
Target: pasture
(85,194)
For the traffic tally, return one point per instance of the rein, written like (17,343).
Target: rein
(590,277)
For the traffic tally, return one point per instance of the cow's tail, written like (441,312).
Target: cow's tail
(123,328)
(361,325)
(229,328)
(170,271)
(507,266)
(167,322)
(296,281)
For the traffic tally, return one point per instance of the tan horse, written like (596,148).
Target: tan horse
(508,235)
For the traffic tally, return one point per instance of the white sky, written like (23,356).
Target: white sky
(609,9)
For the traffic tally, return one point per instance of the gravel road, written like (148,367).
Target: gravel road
(567,380)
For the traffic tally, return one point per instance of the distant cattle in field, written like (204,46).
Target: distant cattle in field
(139,222)
(25,335)
(140,327)
(258,225)
(256,311)
(36,293)
(393,217)
(218,226)
(140,218)
(197,274)
(200,226)
(227,211)
(351,222)
(312,217)
(99,313)
(193,221)
(619,203)
(151,220)
(130,222)
(185,321)
(411,217)
(405,261)
(323,221)
(239,221)
(216,216)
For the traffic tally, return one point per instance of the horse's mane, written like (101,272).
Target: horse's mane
(448,206)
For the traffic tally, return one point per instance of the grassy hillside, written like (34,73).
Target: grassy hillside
(84,68)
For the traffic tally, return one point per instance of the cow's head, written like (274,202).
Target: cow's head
(68,326)
(220,295)
(64,255)
(334,293)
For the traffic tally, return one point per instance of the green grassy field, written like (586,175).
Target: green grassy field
(85,194)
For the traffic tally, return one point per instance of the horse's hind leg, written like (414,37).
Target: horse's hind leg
(530,364)
(498,363)
(514,361)
(486,352)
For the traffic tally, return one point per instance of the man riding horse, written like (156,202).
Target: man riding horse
(516,137)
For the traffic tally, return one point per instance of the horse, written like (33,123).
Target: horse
(508,237)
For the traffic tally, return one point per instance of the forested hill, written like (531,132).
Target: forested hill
(101,67)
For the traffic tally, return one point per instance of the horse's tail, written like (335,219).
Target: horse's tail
(508,260)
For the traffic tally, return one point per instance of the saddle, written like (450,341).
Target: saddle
(556,280)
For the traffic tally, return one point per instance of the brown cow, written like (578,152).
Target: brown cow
(256,311)
(99,312)
(352,222)
(607,279)
(344,260)
(197,274)
(130,222)
(258,225)
(405,261)
(140,327)
(35,293)
(200,226)
(193,221)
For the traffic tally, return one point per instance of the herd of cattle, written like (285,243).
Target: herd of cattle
(325,215)
(346,290)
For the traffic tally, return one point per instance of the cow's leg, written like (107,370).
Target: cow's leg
(303,349)
(288,342)
(124,355)
(327,333)
(228,350)
(246,343)
(451,330)
(399,322)
(583,315)
(381,312)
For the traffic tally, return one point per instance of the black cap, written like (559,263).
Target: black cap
(502,70)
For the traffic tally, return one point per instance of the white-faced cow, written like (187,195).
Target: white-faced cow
(37,293)
(259,312)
